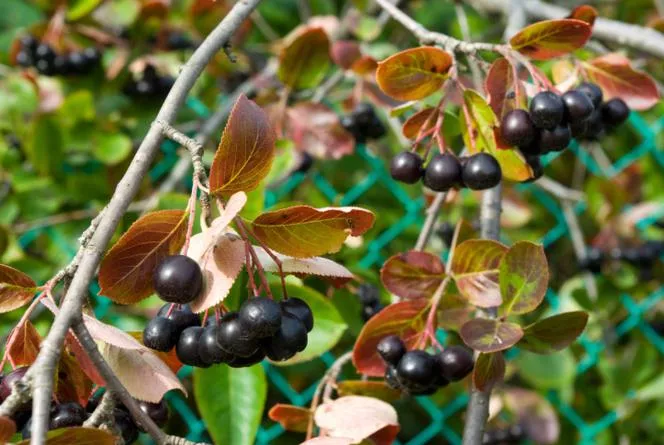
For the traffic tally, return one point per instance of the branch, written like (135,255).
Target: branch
(43,369)
(104,411)
(432,215)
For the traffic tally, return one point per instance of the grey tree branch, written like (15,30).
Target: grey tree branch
(432,214)
(104,411)
(43,369)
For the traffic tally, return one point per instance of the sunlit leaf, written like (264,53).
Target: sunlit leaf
(524,276)
(24,346)
(475,268)
(291,418)
(77,435)
(412,274)
(305,58)
(554,333)
(551,38)
(421,121)
(585,13)
(487,335)
(370,388)
(16,288)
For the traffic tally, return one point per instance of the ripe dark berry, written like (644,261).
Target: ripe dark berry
(244,362)
(234,338)
(305,162)
(593,92)
(592,262)
(29,43)
(43,51)
(391,349)
(24,59)
(144,88)
(261,316)
(77,62)
(481,172)
(349,124)
(371,310)
(45,67)
(125,424)
(9,380)
(442,173)
(160,334)
(364,114)
(614,112)
(177,40)
(67,414)
(181,315)
(164,85)
(368,294)
(392,377)
(578,106)
(591,128)
(376,129)
(417,368)
(406,167)
(536,165)
(178,279)
(209,349)
(60,65)
(556,139)
(158,412)
(456,362)
(300,309)
(92,56)
(187,347)
(517,128)
(288,341)
(546,110)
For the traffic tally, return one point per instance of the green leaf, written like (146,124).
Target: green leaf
(46,145)
(553,333)
(553,371)
(475,271)
(112,148)
(78,106)
(81,8)
(329,326)
(305,59)
(231,402)
(118,13)
(524,276)
(652,391)
(486,335)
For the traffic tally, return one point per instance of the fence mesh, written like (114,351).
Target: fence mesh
(434,419)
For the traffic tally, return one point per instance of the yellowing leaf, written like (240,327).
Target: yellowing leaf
(475,268)
(415,73)
(77,435)
(304,60)
(16,288)
(125,274)
(246,150)
(524,276)
(551,38)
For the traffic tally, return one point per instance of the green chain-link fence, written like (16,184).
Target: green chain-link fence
(437,420)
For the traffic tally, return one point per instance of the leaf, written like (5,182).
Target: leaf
(345,53)
(617,78)
(316,130)
(585,13)
(405,319)
(551,38)
(303,231)
(80,8)
(246,150)
(77,435)
(83,360)
(553,333)
(72,383)
(170,358)
(7,429)
(323,267)
(24,345)
(481,122)
(112,148)
(475,271)
(45,145)
(357,418)
(125,274)
(524,276)
(420,121)
(486,335)
(16,288)
(135,367)
(415,73)
(498,83)
(553,371)
(536,414)
(453,312)
(305,59)
(412,274)
(231,402)
(489,370)
(376,389)
(291,418)
(324,440)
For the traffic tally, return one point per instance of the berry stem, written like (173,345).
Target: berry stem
(191,208)
(430,326)
(250,273)
(242,229)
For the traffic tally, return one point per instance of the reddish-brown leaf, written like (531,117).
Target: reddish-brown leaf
(246,150)
(16,288)
(370,388)
(415,73)
(551,38)
(72,383)
(412,274)
(475,268)
(615,75)
(24,345)
(488,335)
(77,435)
(585,13)
(364,66)
(453,312)
(304,231)
(125,274)
(489,370)
(316,129)
(405,319)
(554,333)
(83,360)
(420,121)
(292,418)
(499,82)
(305,58)
(524,277)
(7,429)
(345,53)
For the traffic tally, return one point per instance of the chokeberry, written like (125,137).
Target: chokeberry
(614,112)
(305,162)
(556,139)
(177,40)
(61,65)
(77,62)
(578,106)
(92,56)
(187,347)
(406,167)
(24,59)
(593,92)
(591,128)
(234,338)
(66,415)
(364,114)
(45,67)
(368,294)
(456,362)
(261,316)
(209,349)
(181,315)
(517,128)
(160,334)
(45,52)
(392,377)
(300,309)
(349,124)
(417,368)
(158,412)
(244,362)
(125,424)
(391,349)
(178,279)
(546,110)
(442,173)
(369,311)
(288,341)
(536,165)
(481,172)
(592,262)
(29,42)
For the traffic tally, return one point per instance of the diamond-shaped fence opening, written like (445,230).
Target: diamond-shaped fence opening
(435,420)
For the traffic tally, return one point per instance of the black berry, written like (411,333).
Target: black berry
(178,279)
(209,349)
(578,106)
(392,377)
(481,172)
(29,42)
(371,310)
(517,128)
(546,110)
(364,114)
(556,139)
(92,56)
(593,92)
(234,338)
(66,415)
(368,294)
(456,362)
(24,59)
(614,112)
(406,167)
(45,52)
(536,165)
(158,412)
(125,424)
(160,334)
(243,362)
(181,315)
(591,128)
(261,316)
(187,347)
(592,262)
(417,368)
(442,173)
(391,349)
(289,340)
(300,309)
(77,62)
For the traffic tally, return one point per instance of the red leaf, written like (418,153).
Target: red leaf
(487,335)
(416,123)
(405,319)
(615,75)
(83,360)
(412,274)
(316,129)
(585,13)
(125,274)
(475,271)
(499,82)
(292,418)
(551,38)
(7,429)
(246,150)
(72,383)
(489,370)
(305,58)
(24,345)
(364,66)
(16,288)
(345,53)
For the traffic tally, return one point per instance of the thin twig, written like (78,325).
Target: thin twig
(579,246)
(558,190)
(430,222)
(104,411)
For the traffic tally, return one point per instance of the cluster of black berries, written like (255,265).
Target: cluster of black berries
(262,327)
(420,373)
(511,434)
(642,257)
(370,298)
(44,58)
(150,85)
(552,120)
(363,123)
(480,171)
(21,415)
